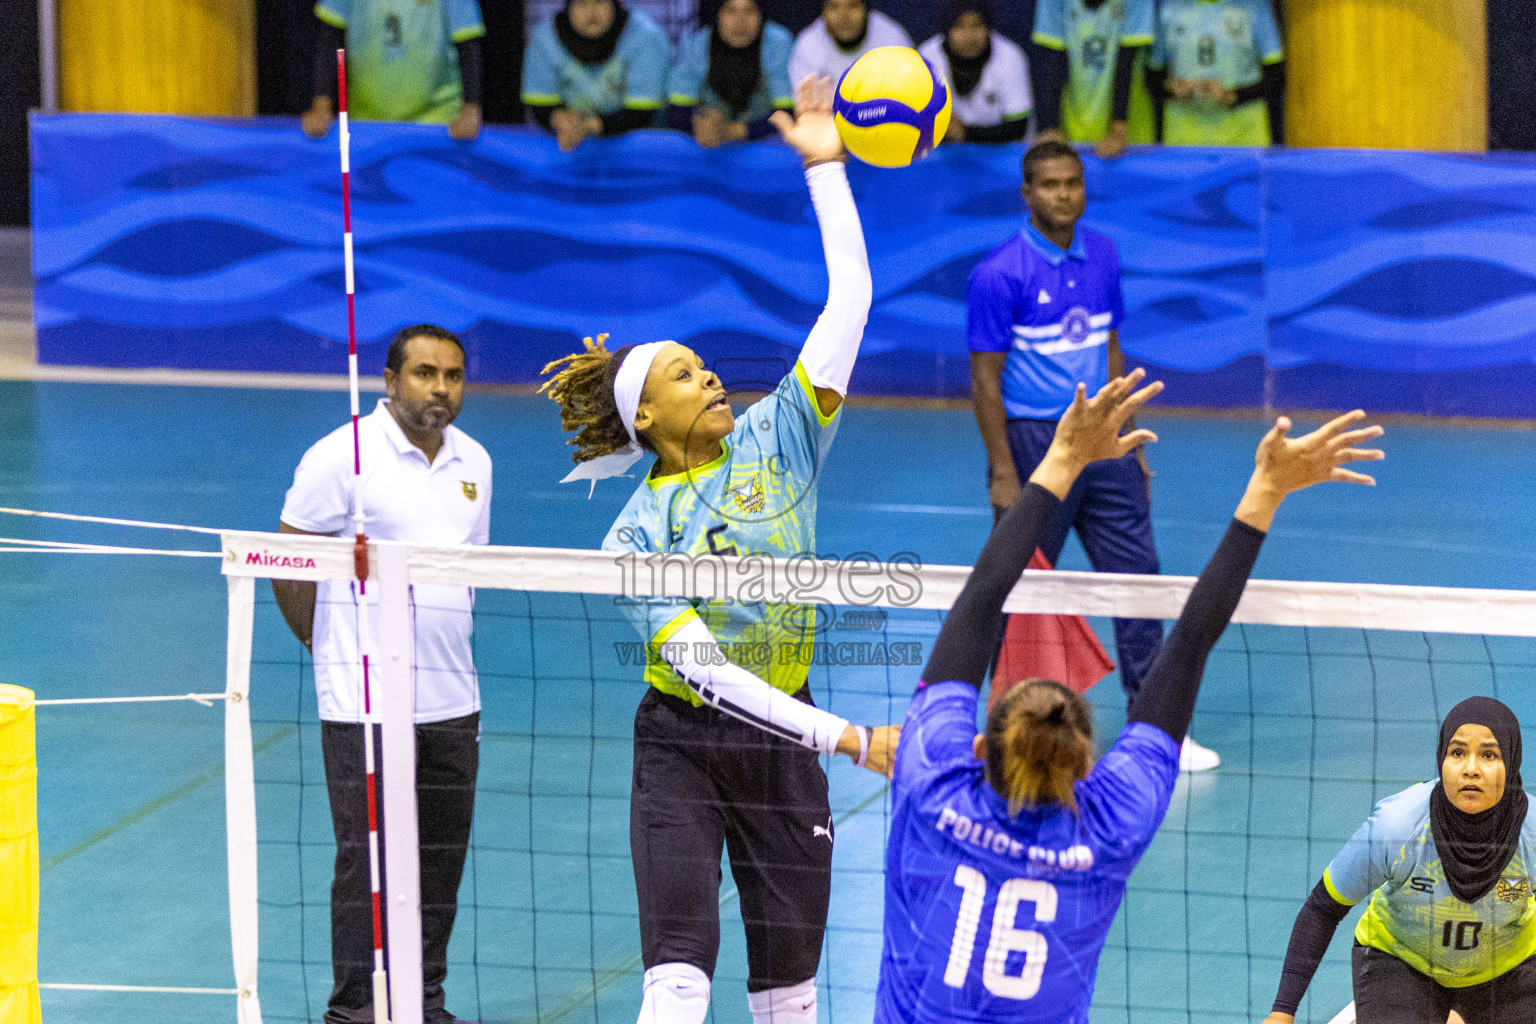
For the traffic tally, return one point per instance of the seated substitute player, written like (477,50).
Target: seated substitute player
(705,776)
(1220,65)
(426,481)
(986,71)
(406,61)
(1092,74)
(1010,849)
(731,77)
(596,68)
(1447,865)
(846,30)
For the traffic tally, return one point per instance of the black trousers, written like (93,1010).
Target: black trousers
(447,761)
(1388,991)
(703,781)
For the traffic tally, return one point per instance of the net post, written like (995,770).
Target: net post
(240,800)
(402,860)
(19,1001)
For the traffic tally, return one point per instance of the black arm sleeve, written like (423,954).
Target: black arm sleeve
(328,39)
(626,120)
(1315,925)
(1050,75)
(1125,65)
(1008,131)
(1267,87)
(1167,695)
(471,66)
(680,118)
(968,640)
(541,115)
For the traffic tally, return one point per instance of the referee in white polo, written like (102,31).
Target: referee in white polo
(424,481)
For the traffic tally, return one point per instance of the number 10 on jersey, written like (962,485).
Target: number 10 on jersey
(1005,939)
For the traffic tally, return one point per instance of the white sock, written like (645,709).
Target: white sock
(675,993)
(793,1004)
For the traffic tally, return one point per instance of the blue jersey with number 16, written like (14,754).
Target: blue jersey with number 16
(996,918)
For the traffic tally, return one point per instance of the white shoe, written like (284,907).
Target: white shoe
(1195,758)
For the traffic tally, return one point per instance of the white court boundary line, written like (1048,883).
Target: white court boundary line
(205,699)
(139,988)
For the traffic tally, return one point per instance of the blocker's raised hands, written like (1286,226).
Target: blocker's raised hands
(812,131)
(1090,431)
(1284,465)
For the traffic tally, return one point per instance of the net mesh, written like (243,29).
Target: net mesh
(1313,723)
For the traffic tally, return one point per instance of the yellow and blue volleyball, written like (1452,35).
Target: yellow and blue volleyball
(891,107)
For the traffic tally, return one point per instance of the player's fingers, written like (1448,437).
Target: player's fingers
(1142,397)
(1353,437)
(1341,423)
(823,93)
(1137,438)
(1281,428)
(1358,455)
(1349,476)
(781,120)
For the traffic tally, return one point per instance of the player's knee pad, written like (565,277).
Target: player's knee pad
(792,1004)
(675,993)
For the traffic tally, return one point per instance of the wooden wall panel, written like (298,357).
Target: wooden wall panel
(1389,74)
(158,56)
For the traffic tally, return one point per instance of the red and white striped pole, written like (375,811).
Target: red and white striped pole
(360,555)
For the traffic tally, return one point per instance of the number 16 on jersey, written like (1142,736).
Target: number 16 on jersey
(1005,938)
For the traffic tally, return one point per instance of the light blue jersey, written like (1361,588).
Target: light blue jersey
(401,62)
(757,498)
(1092,38)
(634,78)
(1225,40)
(690,76)
(1414,916)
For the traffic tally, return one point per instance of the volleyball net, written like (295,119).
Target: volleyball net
(1321,699)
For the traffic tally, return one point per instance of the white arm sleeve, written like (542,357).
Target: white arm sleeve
(833,344)
(693,652)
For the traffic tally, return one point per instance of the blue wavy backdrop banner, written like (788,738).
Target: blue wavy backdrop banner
(1403,281)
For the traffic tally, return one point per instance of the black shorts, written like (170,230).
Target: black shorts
(704,780)
(1388,991)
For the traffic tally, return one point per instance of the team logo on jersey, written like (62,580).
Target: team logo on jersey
(1043,297)
(470,490)
(1514,890)
(1076,325)
(749,497)
(818,831)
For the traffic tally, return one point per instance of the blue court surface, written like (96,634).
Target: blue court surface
(1313,724)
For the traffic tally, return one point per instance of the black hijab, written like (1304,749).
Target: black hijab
(1474,848)
(591,51)
(965,72)
(734,74)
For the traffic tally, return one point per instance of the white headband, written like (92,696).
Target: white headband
(627,386)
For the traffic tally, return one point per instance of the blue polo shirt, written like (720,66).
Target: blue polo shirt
(1051,310)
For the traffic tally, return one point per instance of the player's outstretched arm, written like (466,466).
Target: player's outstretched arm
(1089,431)
(1282,466)
(833,345)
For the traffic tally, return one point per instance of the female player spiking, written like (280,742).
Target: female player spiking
(728,486)
(1009,850)
(1447,867)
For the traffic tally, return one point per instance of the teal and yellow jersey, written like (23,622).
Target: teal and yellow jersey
(757,498)
(1230,41)
(634,78)
(1092,39)
(401,62)
(690,76)
(1413,914)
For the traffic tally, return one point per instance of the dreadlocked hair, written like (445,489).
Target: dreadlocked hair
(584,391)
(1039,742)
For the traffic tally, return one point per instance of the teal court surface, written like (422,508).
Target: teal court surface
(1313,725)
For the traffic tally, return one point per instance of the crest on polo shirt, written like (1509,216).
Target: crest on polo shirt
(470,490)
(1076,325)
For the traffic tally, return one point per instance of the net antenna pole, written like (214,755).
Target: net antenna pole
(360,553)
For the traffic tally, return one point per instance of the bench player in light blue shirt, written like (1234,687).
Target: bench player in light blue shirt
(731,76)
(596,68)
(1096,90)
(1222,61)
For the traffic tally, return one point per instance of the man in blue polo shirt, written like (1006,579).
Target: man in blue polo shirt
(1044,313)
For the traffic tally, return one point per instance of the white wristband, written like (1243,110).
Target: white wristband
(863,732)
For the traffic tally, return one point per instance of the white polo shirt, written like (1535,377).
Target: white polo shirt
(406,498)
(1003,92)
(817,53)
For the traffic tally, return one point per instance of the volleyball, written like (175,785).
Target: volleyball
(891,107)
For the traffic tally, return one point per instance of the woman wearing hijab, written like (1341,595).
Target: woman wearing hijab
(731,77)
(596,68)
(987,73)
(1451,924)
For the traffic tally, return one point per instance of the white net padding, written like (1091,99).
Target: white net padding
(1321,695)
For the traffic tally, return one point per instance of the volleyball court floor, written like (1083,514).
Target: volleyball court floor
(131,797)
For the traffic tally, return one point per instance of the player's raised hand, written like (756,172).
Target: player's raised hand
(812,131)
(1284,465)
(1090,431)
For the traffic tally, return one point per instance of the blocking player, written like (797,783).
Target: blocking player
(1094,90)
(407,60)
(1010,849)
(1222,65)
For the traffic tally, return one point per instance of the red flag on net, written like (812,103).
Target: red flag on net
(1060,647)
